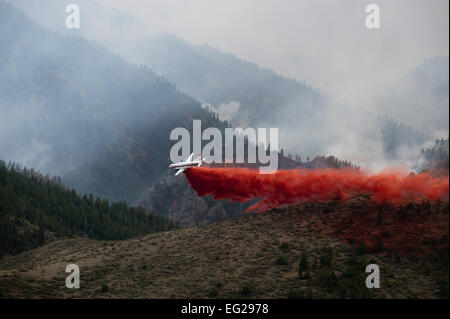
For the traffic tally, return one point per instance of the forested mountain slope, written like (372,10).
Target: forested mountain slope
(35,209)
(243,93)
(423,90)
(71,108)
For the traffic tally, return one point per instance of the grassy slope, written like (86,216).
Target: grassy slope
(234,258)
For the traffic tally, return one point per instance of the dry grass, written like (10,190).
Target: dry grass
(255,256)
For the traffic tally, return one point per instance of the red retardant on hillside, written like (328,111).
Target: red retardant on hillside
(301,185)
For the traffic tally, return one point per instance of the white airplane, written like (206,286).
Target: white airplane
(183,166)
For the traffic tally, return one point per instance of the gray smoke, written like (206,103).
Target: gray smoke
(362,74)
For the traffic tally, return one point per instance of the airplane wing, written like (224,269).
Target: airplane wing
(190,157)
(181,170)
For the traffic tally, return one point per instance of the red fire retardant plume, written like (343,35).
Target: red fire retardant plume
(302,185)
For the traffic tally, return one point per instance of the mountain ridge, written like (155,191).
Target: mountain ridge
(73,109)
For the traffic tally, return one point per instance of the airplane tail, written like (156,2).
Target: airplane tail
(202,161)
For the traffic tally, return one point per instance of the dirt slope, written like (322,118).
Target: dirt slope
(254,256)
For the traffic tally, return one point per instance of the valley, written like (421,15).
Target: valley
(88,128)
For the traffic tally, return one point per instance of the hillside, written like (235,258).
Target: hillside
(242,92)
(201,71)
(255,256)
(35,209)
(73,109)
(423,90)
(437,157)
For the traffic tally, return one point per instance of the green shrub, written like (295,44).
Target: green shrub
(300,294)
(247,290)
(326,259)
(443,288)
(213,293)
(303,264)
(281,261)
(362,249)
(105,288)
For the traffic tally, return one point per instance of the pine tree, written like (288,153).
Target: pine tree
(303,265)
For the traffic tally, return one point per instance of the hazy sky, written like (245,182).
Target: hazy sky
(324,42)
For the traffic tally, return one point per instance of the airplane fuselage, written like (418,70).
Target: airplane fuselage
(183,166)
